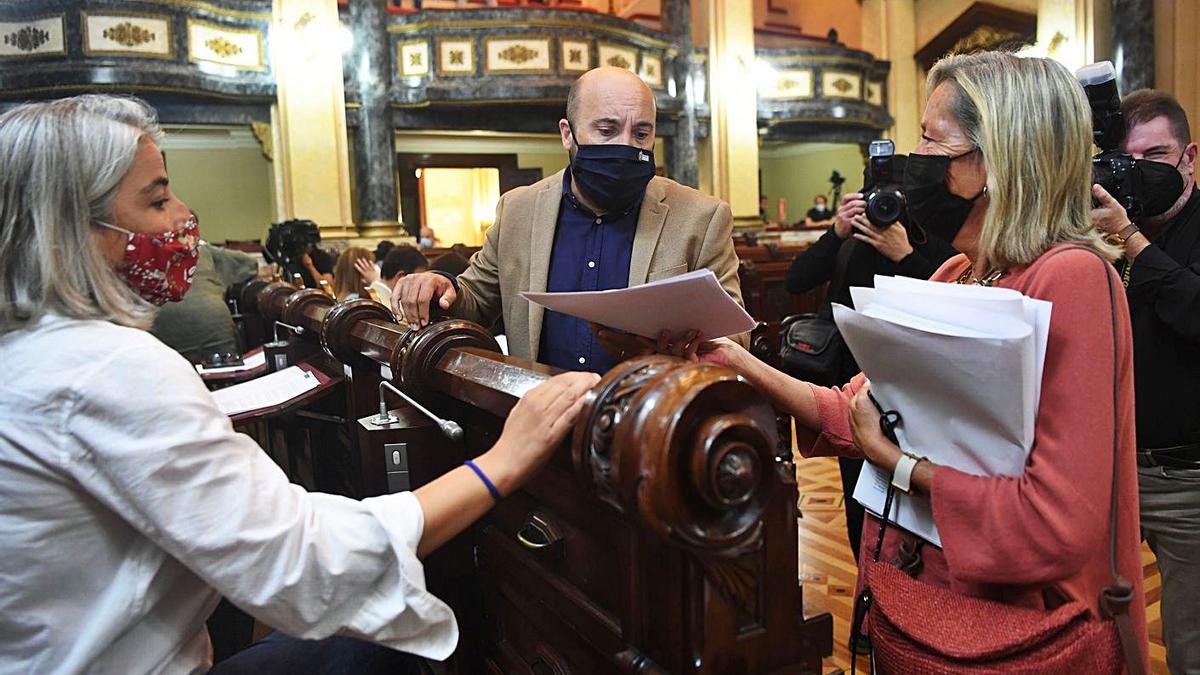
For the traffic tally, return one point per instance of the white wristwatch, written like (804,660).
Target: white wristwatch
(902,476)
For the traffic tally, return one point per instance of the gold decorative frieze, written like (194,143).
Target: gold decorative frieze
(127,34)
(240,48)
(652,70)
(787,84)
(576,56)
(874,92)
(456,56)
(32,37)
(838,84)
(618,56)
(517,55)
(413,58)
(223,47)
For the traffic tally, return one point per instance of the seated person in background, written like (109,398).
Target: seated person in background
(348,281)
(820,215)
(605,222)
(200,324)
(450,263)
(400,261)
(128,513)
(427,239)
(381,250)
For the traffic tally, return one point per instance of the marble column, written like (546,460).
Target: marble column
(733,102)
(682,160)
(1133,43)
(312,171)
(374,144)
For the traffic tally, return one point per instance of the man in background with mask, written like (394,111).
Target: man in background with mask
(605,222)
(819,215)
(1161,272)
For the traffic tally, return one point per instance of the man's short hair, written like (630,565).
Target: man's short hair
(452,263)
(382,248)
(402,258)
(573,101)
(1144,105)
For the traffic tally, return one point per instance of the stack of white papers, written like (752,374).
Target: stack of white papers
(266,391)
(692,301)
(963,367)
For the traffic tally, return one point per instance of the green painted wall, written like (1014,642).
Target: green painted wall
(229,186)
(799,171)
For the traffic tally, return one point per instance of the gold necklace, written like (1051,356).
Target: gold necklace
(968,277)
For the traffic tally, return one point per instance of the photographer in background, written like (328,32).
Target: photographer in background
(292,244)
(1161,272)
(863,250)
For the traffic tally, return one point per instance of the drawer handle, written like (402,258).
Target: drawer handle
(540,535)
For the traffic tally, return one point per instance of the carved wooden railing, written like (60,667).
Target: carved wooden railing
(663,539)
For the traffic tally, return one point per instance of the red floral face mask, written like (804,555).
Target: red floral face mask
(159,267)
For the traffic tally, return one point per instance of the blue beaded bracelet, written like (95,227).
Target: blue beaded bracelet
(483,477)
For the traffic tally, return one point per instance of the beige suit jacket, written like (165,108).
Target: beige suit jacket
(679,230)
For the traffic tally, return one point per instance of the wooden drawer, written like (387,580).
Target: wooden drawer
(570,536)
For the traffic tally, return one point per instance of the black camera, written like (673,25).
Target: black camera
(1115,171)
(287,242)
(885,199)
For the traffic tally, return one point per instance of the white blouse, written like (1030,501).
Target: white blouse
(128,505)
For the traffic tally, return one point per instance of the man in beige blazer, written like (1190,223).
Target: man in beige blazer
(677,229)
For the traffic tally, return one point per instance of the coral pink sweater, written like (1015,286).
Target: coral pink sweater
(1036,539)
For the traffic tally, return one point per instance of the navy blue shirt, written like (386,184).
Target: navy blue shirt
(590,253)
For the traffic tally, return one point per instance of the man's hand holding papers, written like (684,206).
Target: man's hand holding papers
(670,316)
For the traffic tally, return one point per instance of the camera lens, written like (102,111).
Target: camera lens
(884,205)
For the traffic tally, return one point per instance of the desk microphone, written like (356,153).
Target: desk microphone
(450,429)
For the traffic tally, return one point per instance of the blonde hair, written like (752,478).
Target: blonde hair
(1031,122)
(61,163)
(346,279)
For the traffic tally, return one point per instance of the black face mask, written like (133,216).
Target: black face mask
(1162,185)
(931,205)
(612,176)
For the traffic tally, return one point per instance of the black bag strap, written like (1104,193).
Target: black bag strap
(840,264)
(1115,598)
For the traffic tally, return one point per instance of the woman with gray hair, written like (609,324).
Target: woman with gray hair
(129,505)
(1006,141)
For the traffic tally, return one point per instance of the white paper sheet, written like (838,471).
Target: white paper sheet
(963,367)
(692,301)
(266,391)
(250,362)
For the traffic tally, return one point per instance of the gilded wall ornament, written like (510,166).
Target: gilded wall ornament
(414,59)
(575,55)
(518,54)
(222,47)
(786,84)
(649,70)
(129,34)
(456,57)
(985,38)
(618,61)
(27,39)
(842,85)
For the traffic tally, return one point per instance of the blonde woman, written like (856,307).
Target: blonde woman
(129,505)
(348,282)
(1011,139)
